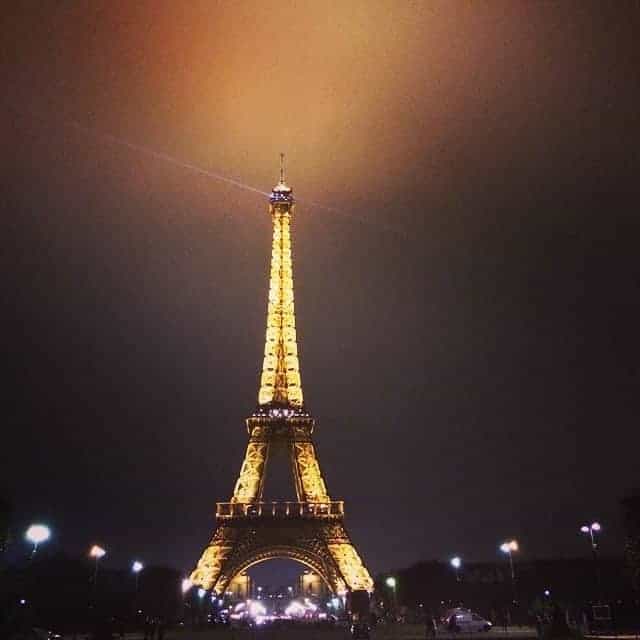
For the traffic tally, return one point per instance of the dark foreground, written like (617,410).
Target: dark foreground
(311,632)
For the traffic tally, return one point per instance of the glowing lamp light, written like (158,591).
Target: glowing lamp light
(137,567)
(391,582)
(37,533)
(97,552)
(256,609)
(294,609)
(186,585)
(593,527)
(309,605)
(456,562)
(508,547)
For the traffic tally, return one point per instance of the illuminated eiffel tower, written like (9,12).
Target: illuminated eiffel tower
(311,530)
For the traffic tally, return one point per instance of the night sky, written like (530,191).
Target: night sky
(465,263)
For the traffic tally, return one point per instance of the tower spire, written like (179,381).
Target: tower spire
(280,380)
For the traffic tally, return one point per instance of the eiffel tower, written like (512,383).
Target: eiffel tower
(250,530)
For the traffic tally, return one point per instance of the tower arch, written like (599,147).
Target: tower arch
(303,556)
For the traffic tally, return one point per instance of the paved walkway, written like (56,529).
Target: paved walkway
(382,632)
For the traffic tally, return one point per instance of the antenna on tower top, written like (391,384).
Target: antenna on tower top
(281,192)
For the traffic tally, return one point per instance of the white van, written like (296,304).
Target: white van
(466,621)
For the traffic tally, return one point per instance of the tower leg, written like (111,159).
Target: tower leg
(346,558)
(210,566)
(309,482)
(251,480)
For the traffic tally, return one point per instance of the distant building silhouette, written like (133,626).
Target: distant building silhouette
(486,586)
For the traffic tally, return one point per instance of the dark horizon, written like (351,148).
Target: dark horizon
(287,571)
(465,267)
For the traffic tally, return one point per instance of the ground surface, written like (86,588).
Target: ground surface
(389,632)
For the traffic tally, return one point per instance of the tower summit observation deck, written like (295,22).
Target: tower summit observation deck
(250,530)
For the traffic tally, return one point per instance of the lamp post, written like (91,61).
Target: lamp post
(201,606)
(96,552)
(590,530)
(456,563)
(137,567)
(37,534)
(392,583)
(185,587)
(509,547)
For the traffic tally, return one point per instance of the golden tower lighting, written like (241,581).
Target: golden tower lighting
(249,529)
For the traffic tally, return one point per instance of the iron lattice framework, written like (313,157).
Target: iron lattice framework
(312,529)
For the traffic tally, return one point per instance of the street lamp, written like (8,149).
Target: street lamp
(137,567)
(36,534)
(509,547)
(96,552)
(456,563)
(185,587)
(392,583)
(590,530)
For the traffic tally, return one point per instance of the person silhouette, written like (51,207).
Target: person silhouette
(430,626)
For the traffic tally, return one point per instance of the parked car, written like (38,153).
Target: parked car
(466,621)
